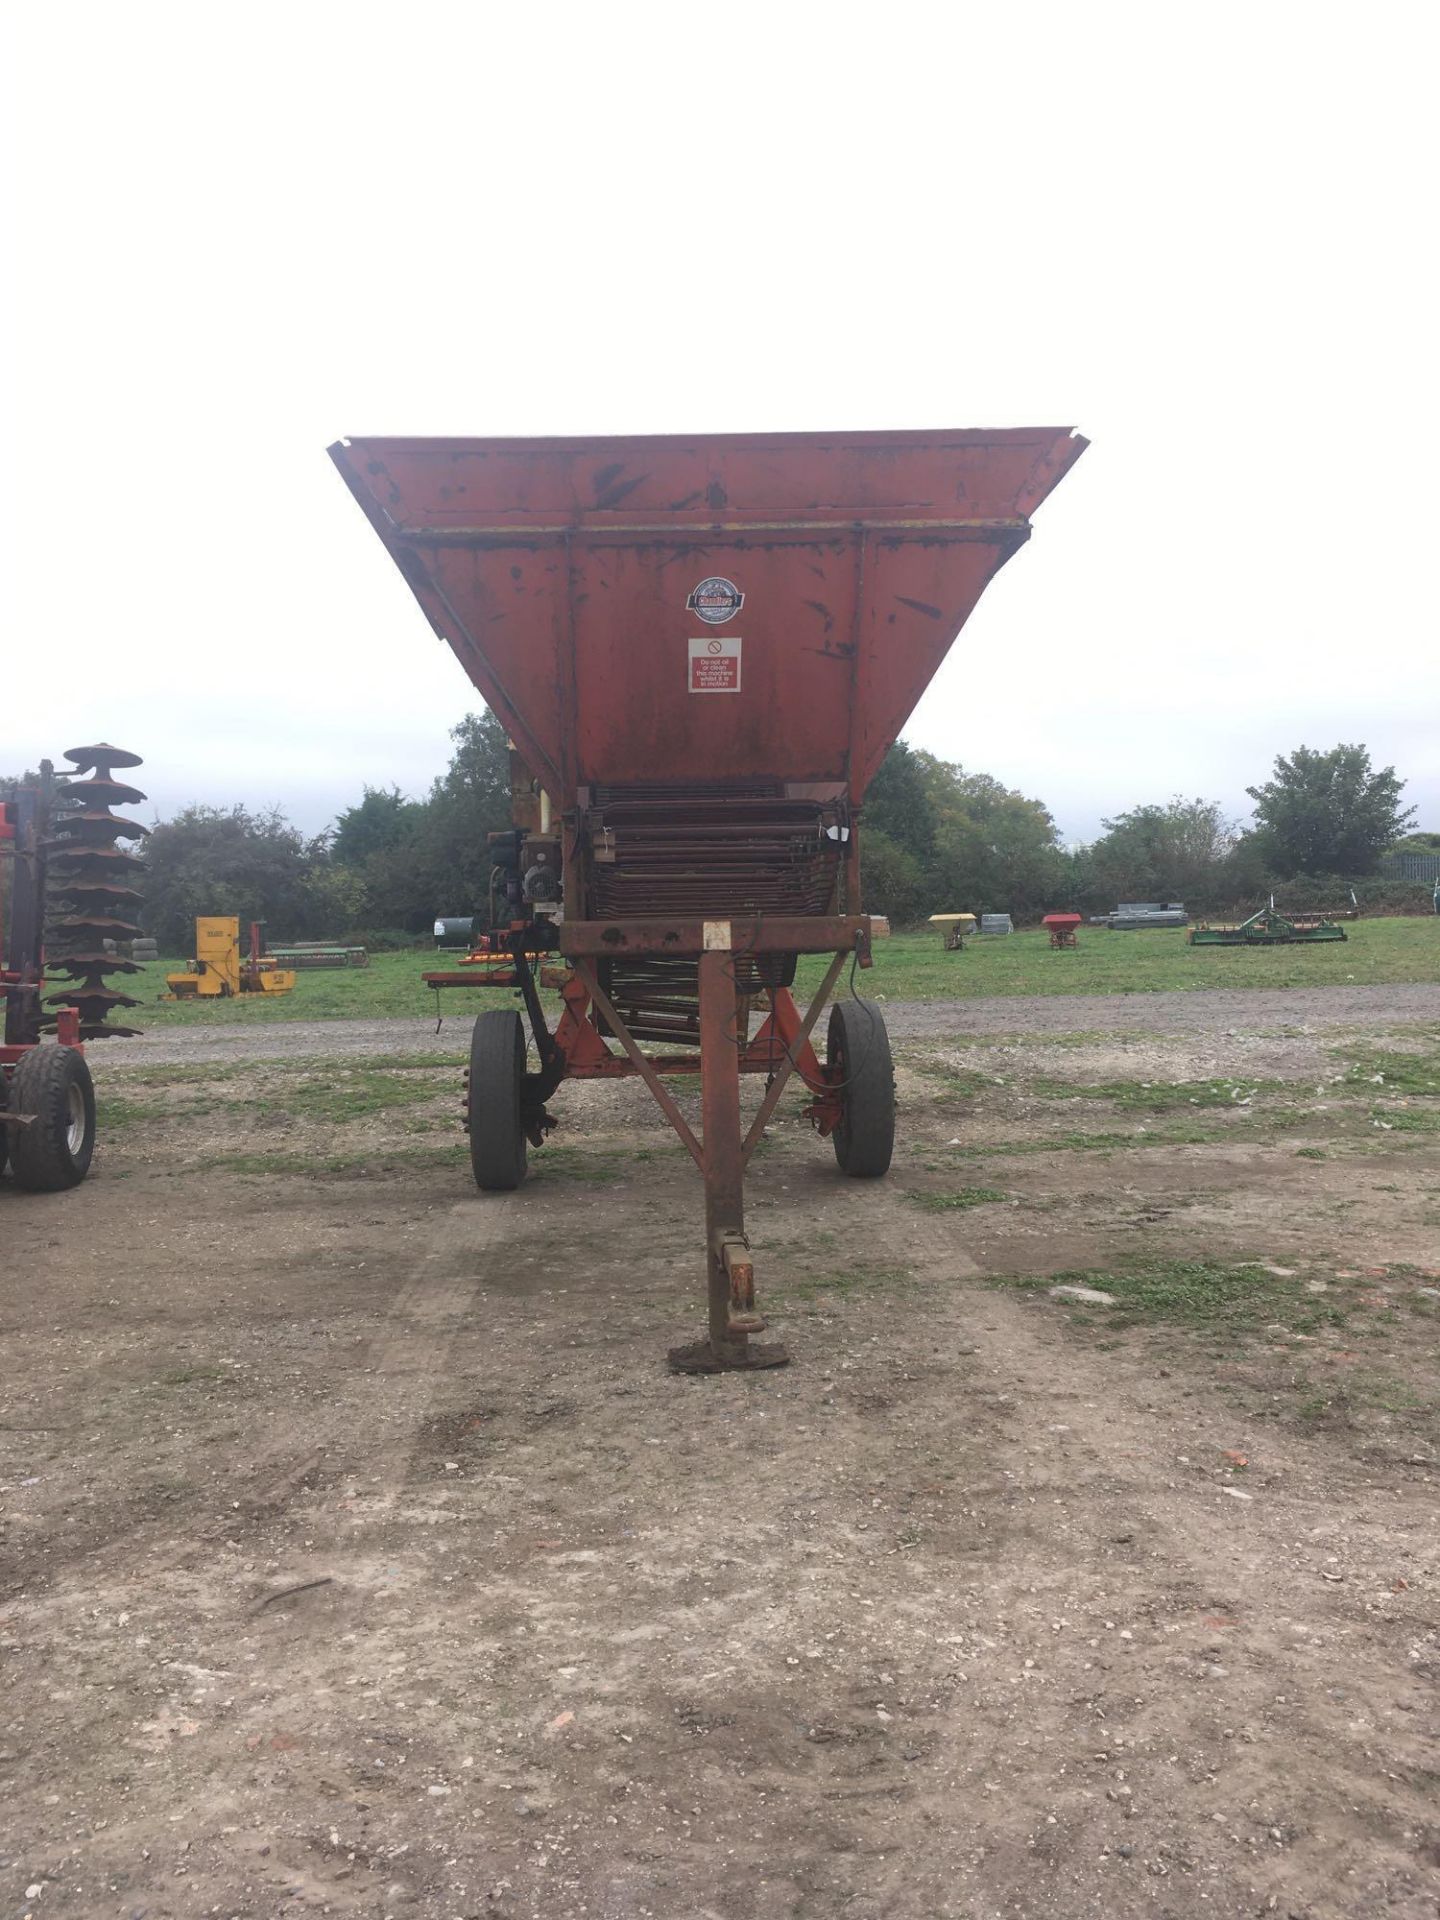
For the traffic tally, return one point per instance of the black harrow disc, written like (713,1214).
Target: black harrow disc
(90,889)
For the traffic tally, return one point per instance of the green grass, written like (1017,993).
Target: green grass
(913,966)
(910,966)
(390,986)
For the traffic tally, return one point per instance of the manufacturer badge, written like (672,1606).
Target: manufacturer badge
(716,600)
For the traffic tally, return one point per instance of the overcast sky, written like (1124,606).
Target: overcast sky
(237,232)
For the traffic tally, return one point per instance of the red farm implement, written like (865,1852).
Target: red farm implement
(58,851)
(702,649)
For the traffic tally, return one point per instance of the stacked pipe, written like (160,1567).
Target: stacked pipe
(91,878)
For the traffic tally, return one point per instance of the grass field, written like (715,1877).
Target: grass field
(914,966)
(910,966)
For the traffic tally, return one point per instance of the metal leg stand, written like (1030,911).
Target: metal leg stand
(730,1272)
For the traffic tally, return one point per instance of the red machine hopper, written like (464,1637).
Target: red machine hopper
(703,647)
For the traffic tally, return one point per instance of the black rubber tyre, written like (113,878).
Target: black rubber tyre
(55,1150)
(497,1072)
(859,1050)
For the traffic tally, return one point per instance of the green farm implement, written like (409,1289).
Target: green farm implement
(1267,928)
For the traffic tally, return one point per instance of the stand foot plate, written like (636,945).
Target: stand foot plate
(702,1358)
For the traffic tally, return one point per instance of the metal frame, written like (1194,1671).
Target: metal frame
(24,822)
(781,1048)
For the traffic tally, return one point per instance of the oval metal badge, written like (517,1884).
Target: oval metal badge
(716,600)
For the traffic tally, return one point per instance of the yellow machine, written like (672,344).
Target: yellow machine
(220,969)
(955,929)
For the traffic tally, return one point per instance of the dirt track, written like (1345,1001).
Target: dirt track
(1176,1013)
(969,1612)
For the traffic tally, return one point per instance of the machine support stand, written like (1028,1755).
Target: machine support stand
(731,1273)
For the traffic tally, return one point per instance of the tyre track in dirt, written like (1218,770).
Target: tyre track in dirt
(405,1367)
(1266,1628)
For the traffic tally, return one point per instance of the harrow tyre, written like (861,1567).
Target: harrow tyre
(54,1151)
(497,1073)
(858,1052)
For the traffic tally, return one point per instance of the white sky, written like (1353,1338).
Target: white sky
(238,232)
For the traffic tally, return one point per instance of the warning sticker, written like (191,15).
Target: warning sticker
(715,664)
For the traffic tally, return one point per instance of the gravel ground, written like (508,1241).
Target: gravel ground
(1168,1013)
(359,1556)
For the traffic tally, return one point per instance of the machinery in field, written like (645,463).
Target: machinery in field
(222,969)
(955,929)
(1135,916)
(58,852)
(305,956)
(1267,928)
(702,649)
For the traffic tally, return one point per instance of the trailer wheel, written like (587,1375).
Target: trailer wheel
(497,1074)
(858,1052)
(54,1151)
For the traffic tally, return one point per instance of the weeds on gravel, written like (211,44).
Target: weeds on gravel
(600,1166)
(1208,1294)
(351,1093)
(119,1071)
(1395,1073)
(959,1201)
(115,1114)
(1340,1402)
(362,1160)
(1154,1096)
(1404,1120)
(197,1375)
(954,1083)
(1100,1142)
(834,1283)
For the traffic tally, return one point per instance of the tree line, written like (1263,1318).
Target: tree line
(936,838)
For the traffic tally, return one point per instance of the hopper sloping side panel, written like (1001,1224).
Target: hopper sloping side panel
(560,573)
(918,595)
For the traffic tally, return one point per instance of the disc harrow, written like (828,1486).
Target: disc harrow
(91,886)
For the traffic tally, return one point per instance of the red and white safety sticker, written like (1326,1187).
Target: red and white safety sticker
(715,664)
